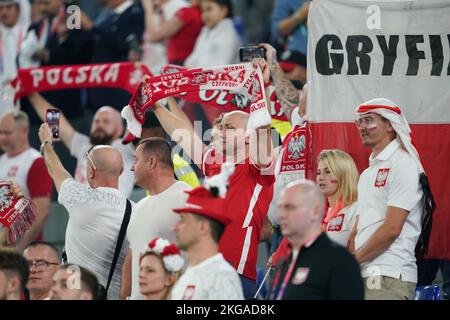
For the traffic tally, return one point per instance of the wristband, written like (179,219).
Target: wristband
(43,145)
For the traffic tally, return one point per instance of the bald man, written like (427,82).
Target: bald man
(313,267)
(106,129)
(95,211)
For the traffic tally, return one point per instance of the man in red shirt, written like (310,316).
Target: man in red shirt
(250,188)
(24,166)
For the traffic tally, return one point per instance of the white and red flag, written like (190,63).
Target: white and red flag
(399,50)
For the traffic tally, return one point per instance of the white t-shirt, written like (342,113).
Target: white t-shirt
(95,217)
(338,229)
(215,47)
(392,179)
(80,144)
(153,217)
(212,279)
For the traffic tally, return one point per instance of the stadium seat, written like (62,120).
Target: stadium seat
(428,293)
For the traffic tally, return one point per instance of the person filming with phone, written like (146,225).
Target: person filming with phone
(96,212)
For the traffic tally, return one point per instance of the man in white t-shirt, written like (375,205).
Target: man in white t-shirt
(202,223)
(95,212)
(106,129)
(152,216)
(392,220)
(24,166)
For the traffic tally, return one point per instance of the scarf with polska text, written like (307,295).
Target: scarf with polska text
(123,75)
(244,79)
(16,214)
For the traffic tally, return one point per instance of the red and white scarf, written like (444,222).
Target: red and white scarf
(226,100)
(127,76)
(16,214)
(244,79)
(124,75)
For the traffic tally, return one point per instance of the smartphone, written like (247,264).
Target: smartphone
(52,118)
(247,54)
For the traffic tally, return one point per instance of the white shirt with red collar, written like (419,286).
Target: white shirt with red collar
(392,179)
(212,279)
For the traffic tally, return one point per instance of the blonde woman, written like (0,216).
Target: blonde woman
(337,178)
(159,268)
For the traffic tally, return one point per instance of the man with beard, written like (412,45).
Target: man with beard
(106,129)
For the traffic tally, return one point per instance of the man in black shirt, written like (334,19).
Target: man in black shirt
(314,267)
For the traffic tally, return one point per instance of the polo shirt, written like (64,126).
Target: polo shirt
(392,179)
(323,270)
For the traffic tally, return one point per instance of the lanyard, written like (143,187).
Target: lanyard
(285,280)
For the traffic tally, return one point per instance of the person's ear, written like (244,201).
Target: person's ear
(390,129)
(13,286)
(91,173)
(170,279)
(152,162)
(202,227)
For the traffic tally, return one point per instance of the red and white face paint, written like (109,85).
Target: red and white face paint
(367,122)
(327,182)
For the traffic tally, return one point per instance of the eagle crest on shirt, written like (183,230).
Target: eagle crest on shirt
(381,179)
(336,224)
(296,147)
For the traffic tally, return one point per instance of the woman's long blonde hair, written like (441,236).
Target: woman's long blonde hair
(344,169)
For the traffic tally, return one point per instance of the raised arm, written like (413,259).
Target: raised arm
(54,166)
(261,137)
(40,104)
(287,93)
(287,24)
(181,132)
(164,30)
(177,110)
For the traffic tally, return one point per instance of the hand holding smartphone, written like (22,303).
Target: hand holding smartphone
(52,119)
(247,54)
